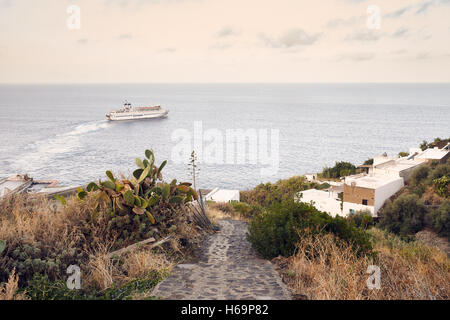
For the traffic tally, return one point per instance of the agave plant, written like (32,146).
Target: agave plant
(144,191)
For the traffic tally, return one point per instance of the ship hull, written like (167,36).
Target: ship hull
(136,116)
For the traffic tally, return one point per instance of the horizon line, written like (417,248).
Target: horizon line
(204,83)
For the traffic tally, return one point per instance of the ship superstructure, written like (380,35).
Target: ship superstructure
(128,112)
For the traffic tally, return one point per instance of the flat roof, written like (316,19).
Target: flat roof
(398,165)
(436,154)
(371,182)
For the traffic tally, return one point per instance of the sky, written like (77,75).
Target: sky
(217,41)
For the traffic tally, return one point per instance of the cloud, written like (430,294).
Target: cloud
(359,56)
(125,36)
(291,38)
(427,4)
(364,36)
(398,13)
(336,23)
(227,32)
(423,7)
(400,33)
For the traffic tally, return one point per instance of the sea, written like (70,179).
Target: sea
(280,130)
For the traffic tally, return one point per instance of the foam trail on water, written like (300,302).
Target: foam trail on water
(88,127)
(40,153)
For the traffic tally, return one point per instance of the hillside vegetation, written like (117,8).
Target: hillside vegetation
(41,238)
(320,257)
(423,203)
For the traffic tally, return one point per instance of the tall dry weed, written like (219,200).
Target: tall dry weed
(324,268)
(9,291)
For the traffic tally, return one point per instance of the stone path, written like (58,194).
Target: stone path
(228,270)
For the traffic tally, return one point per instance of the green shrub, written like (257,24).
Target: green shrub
(42,288)
(441,219)
(424,145)
(439,171)
(419,175)
(265,195)
(246,209)
(276,231)
(404,216)
(403,154)
(418,190)
(322,186)
(442,186)
(340,169)
(362,219)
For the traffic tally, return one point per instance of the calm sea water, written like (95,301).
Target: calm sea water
(60,132)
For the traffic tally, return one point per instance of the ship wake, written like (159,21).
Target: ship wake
(38,156)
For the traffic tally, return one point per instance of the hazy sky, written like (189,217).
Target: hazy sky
(224,41)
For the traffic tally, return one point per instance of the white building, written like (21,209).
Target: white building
(365,192)
(370,191)
(400,167)
(435,154)
(223,195)
(326,201)
(360,193)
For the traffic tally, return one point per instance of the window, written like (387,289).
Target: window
(364,202)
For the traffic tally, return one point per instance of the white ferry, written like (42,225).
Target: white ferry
(133,113)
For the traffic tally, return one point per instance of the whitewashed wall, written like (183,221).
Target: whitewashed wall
(385,192)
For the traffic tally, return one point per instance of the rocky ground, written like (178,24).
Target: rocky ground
(228,269)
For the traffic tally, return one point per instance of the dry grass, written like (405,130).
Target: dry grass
(43,220)
(105,272)
(219,211)
(9,291)
(325,269)
(55,229)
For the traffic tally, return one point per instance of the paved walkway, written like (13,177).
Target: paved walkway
(228,270)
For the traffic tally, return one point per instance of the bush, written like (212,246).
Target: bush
(361,219)
(441,220)
(442,186)
(424,145)
(276,231)
(267,194)
(419,175)
(42,288)
(322,186)
(439,171)
(404,216)
(403,154)
(340,169)
(418,190)
(246,210)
